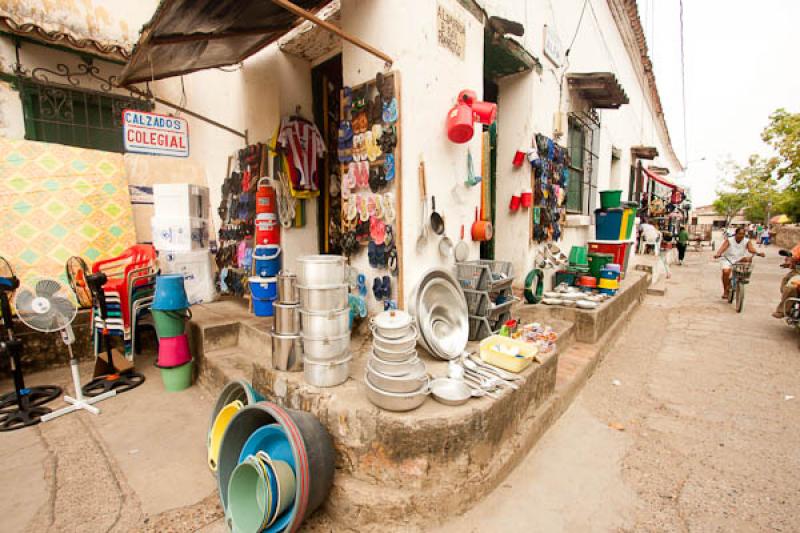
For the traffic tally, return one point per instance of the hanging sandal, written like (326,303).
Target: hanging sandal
(388,167)
(377,230)
(372,254)
(388,207)
(389,239)
(378,205)
(392,260)
(377,288)
(390,111)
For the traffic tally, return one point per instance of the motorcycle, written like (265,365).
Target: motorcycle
(791,308)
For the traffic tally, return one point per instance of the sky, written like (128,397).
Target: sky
(741,64)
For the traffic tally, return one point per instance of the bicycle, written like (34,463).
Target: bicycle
(739,280)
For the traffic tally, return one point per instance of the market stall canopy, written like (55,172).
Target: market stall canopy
(601,90)
(189,35)
(779,219)
(662,180)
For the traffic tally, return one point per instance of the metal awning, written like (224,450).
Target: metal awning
(601,90)
(189,35)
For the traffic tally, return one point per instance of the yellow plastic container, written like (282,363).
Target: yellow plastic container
(607,284)
(507,353)
(218,430)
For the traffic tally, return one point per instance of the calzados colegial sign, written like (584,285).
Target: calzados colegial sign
(151,133)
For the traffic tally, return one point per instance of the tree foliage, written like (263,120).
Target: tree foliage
(766,186)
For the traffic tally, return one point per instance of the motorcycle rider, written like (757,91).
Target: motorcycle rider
(788,289)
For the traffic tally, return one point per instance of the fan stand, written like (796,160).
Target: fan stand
(113,380)
(80,401)
(24,406)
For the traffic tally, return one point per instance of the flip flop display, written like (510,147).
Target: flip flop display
(390,111)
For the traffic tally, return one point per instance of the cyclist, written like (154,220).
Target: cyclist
(733,250)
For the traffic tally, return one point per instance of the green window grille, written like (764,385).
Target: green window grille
(577,144)
(76,117)
(583,141)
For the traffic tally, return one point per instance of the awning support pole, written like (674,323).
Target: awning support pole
(300,12)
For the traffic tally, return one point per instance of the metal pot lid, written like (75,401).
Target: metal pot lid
(321,259)
(393,319)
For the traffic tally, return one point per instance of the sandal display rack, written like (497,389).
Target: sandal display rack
(486,282)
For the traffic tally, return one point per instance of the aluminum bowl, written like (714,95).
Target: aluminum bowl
(323,298)
(321,324)
(450,391)
(395,368)
(443,318)
(325,348)
(320,270)
(327,373)
(393,401)
(401,344)
(392,356)
(410,382)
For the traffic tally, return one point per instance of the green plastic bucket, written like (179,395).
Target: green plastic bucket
(598,261)
(170,323)
(577,256)
(177,378)
(610,199)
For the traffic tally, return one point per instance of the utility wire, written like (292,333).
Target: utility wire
(683,88)
(577,28)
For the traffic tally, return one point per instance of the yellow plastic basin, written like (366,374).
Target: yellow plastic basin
(218,430)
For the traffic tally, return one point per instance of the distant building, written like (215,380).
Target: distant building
(707,215)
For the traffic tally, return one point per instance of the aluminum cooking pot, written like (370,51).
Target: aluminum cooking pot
(394,401)
(287,352)
(327,373)
(396,368)
(410,382)
(393,324)
(400,344)
(323,298)
(320,270)
(325,348)
(320,324)
(287,319)
(287,288)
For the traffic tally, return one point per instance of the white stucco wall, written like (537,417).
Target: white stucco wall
(528,101)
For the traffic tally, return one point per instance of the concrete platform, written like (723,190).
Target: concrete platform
(591,325)
(435,460)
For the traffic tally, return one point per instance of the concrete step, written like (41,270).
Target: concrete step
(658,287)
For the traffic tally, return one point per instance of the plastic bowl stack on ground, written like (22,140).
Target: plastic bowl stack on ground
(325,319)
(275,468)
(396,378)
(234,396)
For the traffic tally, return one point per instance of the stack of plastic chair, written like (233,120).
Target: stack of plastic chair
(129,295)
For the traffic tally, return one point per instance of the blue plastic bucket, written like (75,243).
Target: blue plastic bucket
(170,294)
(263,306)
(607,273)
(268,260)
(608,224)
(264,288)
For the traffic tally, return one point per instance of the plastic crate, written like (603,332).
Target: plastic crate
(495,312)
(479,328)
(485,275)
(477,302)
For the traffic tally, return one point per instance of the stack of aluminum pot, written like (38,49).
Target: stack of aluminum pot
(396,378)
(287,347)
(325,319)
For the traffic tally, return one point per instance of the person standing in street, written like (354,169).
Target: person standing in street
(683,243)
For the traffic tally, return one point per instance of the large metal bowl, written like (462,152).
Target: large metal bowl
(394,401)
(440,308)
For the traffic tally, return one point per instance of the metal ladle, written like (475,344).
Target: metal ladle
(422,239)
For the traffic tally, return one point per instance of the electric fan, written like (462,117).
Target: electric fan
(77,271)
(48,309)
(25,406)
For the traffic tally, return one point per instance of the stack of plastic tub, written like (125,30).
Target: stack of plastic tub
(614,223)
(324,319)
(170,311)
(608,281)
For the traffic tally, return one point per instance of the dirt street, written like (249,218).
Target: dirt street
(706,403)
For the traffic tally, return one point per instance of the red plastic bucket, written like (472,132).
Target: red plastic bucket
(173,351)
(485,112)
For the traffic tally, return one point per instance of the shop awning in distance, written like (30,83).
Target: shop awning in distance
(644,152)
(662,180)
(601,90)
(189,35)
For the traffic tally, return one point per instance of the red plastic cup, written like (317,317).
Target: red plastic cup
(173,351)
(519,158)
(527,198)
(513,205)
